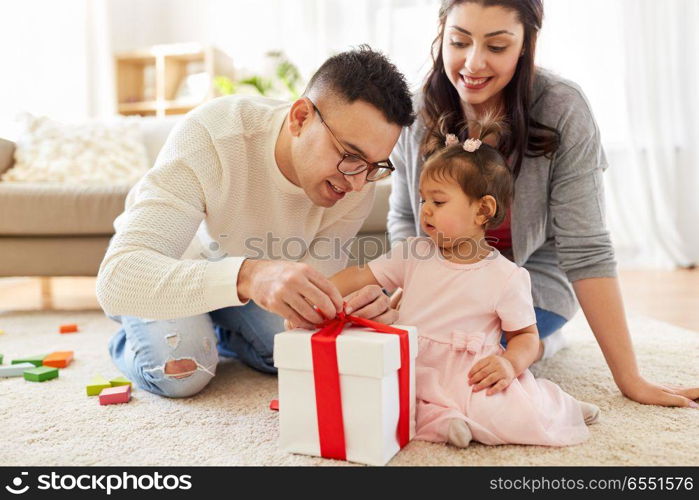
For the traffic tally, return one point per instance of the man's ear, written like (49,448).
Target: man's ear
(299,114)
(487,209)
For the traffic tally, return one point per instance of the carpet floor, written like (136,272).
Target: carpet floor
(54,423)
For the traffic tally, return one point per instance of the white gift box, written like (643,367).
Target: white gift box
(368,363)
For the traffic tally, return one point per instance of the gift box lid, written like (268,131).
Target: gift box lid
(360,351)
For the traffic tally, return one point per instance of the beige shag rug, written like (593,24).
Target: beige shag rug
(54,423)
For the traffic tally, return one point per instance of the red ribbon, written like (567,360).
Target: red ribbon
(331,429)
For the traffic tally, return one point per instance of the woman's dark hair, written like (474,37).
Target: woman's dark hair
(478,173)
(526,137)
(367,75)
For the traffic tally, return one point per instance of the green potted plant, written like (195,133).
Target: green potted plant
(285,83)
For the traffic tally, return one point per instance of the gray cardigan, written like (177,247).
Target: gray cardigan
(558,223)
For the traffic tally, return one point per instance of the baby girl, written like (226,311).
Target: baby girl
(463,296)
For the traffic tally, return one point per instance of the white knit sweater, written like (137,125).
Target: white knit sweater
(214,197)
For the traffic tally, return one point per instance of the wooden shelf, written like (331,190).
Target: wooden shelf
(168,79)
(179,104)
(136,107)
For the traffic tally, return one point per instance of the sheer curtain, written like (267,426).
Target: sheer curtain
(636,60)
(662,88)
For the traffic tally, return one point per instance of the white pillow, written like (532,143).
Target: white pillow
(92,152)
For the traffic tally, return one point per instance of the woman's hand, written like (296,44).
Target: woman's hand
(643,391)
(494,371)
(601,302)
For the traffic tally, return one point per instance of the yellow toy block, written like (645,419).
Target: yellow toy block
(119,381)
(96,385)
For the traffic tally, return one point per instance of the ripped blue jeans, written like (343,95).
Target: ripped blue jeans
(142,347)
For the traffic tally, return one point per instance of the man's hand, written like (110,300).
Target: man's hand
(289,289)
(494,371)
(371,303)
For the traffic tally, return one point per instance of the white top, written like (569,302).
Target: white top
(214,197)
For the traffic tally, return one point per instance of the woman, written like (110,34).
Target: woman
(483,62)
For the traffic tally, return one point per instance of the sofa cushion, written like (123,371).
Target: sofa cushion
(48,209)
(51,255)
(94,152)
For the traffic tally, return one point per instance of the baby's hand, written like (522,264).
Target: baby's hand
(495,372)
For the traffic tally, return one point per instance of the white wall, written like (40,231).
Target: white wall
(43,49)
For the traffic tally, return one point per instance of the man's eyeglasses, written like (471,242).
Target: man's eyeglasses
(353,164)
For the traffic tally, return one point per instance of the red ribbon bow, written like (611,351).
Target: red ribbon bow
(331,429)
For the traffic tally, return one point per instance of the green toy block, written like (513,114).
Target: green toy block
(0,359)
(96,385)
(41,373)
(115,382)
(37,360)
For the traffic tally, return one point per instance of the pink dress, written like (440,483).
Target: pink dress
(460,311)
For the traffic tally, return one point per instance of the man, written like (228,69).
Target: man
(200,263)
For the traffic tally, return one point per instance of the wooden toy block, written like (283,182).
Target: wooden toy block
(2,331)
(96,385)
(0,359)
(40,374)
(58,359)
(115,395)
(35,360)
(119,381)
(274,405)
(71,328)
(15,370)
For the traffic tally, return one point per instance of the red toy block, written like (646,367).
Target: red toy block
(115,395)
(58,359)
(274,405)
(71,328)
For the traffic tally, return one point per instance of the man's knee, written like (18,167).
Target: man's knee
(180,368)
(174,358)
(178,378)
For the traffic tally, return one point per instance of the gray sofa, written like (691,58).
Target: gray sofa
(63,230)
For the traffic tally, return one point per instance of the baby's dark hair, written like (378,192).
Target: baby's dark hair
(478,173)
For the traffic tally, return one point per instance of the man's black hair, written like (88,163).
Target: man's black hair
(367,75)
